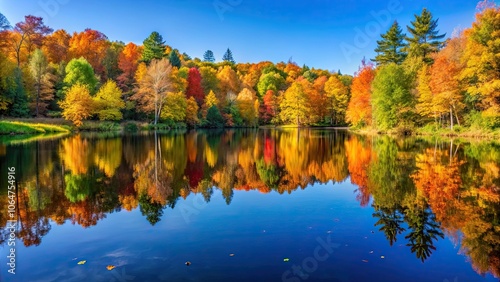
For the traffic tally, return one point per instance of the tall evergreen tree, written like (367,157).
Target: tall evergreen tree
(18,96)
(209,56)
(389,49)
(154,48)
(174,59)
(228,56)
(424,37)
(4,23)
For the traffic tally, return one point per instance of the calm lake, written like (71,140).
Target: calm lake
(251,205)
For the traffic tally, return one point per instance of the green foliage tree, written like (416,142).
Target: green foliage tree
(17,95)
(270,81)
(174,59)
(154,48)
(228,56)
(391,98)
(79,71)
(4,23)
(424,37)
(38,68)
(214,118)
(390,48)
(208,56)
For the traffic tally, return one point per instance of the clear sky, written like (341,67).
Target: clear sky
(327,34)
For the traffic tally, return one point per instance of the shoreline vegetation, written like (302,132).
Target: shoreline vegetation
(26,129)
(421,82)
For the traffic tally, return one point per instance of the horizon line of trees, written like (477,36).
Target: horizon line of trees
(419,79)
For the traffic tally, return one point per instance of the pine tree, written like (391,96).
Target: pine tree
(389,49)
(228,56)
(18,96)
(174,59)
(209,56)
(425,38)
(154,47)
(4,23)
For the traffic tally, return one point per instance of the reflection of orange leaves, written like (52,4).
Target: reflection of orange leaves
(84,214)
(75,154)
(438,179)
(128,202)
(359,157)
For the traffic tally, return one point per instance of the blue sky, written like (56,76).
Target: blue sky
(327,34)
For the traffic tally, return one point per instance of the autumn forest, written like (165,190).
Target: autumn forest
(420,78)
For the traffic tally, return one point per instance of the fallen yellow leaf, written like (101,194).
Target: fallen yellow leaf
(110,267)
(82,262)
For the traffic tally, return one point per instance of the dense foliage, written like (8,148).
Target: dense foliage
(420,78)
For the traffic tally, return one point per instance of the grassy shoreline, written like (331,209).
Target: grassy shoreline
(460,132)
(45,126)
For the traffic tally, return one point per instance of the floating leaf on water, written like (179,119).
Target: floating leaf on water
(110,267)
(231,255)
(328,231)
(371,252)
(82,262)
(382,257)
(286,259)
(364,260)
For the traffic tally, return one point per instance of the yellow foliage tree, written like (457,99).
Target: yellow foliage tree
(192,111)
(108,102)
(338,98)
(77,105)
(175,107)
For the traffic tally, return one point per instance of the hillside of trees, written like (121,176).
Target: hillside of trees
(420,78)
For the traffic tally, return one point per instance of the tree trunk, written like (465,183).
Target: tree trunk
(37,97)
(456,115)
(451,118)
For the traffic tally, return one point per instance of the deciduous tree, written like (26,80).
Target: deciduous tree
(154,88)
(79,71)
(78,104)
(91,45)
(194,88)
(38,69)
(108,102)
(30,35)
(359,110)
(294,105)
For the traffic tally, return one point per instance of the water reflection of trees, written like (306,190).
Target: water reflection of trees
(419,189)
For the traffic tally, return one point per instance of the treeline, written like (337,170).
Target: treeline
(420,79)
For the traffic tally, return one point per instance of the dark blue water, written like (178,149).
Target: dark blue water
(314,232)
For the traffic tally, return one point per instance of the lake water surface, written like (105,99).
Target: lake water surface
(252,205)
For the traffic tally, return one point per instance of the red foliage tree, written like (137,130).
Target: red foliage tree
(194,88)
